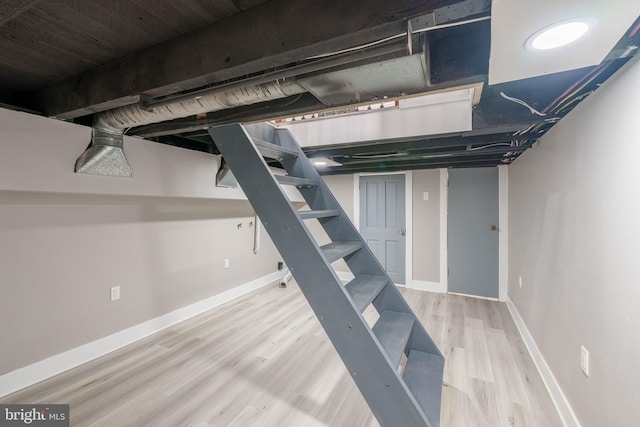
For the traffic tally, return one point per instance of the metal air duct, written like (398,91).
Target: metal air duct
(105,155)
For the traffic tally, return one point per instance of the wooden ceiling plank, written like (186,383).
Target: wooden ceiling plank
(37,42)
(10,9)
(271,34)
(93,43)
(110,26)
(26,60)
(220,9)
(192,15)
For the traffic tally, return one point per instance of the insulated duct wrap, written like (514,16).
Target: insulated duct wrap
(136,115)
(105,155)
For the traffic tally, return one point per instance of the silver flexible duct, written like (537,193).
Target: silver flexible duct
(105,155)
(135,115)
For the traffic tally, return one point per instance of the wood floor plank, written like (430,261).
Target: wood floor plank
(264,360)
(481,405)
(479,364)
(511,380)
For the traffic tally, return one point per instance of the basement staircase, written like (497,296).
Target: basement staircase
(400,392)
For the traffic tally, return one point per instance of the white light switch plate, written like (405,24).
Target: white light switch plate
(584,360)
(115,293)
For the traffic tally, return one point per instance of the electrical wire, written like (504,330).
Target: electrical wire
(570,88)
(452,24)
(377,42)
(561,105)
(523,103)
(364,46)
(574,100)
(495,144)
(521,132)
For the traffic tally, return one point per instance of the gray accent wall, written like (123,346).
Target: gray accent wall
(574,238)
(65,239)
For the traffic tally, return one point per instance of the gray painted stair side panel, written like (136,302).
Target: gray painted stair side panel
(362,353)
(423,375)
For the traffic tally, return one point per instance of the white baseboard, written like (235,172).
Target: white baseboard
(474,296)
(54,365)
(423,285)
(560,401)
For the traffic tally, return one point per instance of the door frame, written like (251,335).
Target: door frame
(408,216)
(503,232)
(443,286)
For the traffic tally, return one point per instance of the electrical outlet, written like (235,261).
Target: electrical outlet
(115,293)
(226,263)
(584,360)
(520,281)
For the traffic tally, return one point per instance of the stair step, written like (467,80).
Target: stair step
(337,250)
(364,288)
(393,330)
(317,214)
(274,151)
(423,376)
(294,180)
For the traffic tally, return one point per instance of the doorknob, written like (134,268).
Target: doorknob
(493,228)
(403,232)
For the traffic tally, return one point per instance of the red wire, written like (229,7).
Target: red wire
(635,30)
(570,88)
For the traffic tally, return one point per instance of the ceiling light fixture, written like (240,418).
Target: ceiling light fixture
(324,162)
(559,34)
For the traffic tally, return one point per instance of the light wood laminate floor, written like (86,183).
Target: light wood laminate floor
(264,360)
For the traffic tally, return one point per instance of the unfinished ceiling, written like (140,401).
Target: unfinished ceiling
(168,70)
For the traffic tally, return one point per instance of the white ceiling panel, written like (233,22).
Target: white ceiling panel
(513,21)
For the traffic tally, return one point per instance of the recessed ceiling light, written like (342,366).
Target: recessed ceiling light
(560,34)
(323,162)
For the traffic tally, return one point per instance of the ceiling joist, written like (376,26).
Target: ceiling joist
(270,35)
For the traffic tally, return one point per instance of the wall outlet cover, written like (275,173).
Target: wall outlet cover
(115,293)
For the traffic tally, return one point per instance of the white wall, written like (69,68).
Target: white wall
(65,238)
(574,237)
(425,115)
